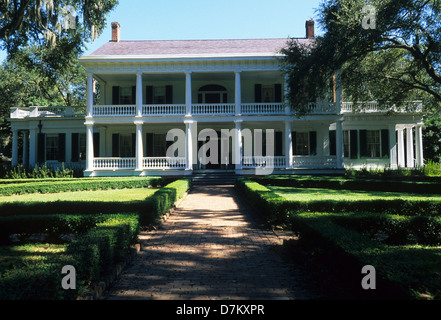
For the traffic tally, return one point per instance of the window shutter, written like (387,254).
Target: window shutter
(115,145)
(294,142)
(385,148)
(149,95)
(278,92)
(149,144)
(133,94)
(96,144)
(41,147)
(332,143)
(279,144)
(312,143)
(115,95)
(169,94)
(354,144)
(133,145)
(61,147)
(75,147)
(257,93)
(363,143)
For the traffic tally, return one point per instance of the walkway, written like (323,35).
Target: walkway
(211,248)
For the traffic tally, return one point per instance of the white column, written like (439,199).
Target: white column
(32,149)
(14,161)
(89,147)
(89,95)
(25,149)
(238,145)
(188,93)
(340,149)
(286,93)
(139,147)
(139,95)
(401,160)
(409,143)
(288,145)
(188,146)
(419,146)
(238,93)
(393,147)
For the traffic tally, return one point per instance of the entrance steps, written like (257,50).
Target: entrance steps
(214,177)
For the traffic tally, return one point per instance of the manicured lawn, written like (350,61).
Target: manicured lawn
(308,194)
(122,195)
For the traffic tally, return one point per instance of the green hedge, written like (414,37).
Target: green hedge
(80,184)
(163,200)
(91,255)
(421,187)
(402,272)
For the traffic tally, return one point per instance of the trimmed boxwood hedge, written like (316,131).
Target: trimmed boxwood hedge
(79,184)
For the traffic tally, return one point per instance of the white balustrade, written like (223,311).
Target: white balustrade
(114,163)
(412,106)
(262,108)
(322,108)
(314,162)
(164,109)
(213,109)
(263,161)
(164,163)
(114,111)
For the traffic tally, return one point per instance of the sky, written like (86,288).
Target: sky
(207,19)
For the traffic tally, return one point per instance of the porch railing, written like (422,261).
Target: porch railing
(262,108)
(213,109)
(261,161)
(314,162)
(164,163)
(114,111)
(163,110)
(114,163)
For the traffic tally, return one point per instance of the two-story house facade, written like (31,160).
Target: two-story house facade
(176,107)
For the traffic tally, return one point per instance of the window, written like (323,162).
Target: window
(52,143)
(212,94)
(82,146)
(125,146)
(125,96)
(159,95)
(267,93)
(373,143)
(159,145)
(302,143)
(346,144)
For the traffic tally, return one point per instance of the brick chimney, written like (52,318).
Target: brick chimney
(116,28)
(309,29)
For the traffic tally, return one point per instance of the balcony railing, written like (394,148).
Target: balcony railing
(114,163)
(164,163)
(219,109)
(250,162)
(314,162)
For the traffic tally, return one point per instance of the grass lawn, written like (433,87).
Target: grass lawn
(121,195)
(308,194)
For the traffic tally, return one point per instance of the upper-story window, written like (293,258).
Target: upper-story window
(212,94)
(268,93)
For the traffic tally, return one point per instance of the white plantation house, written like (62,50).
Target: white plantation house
(178,107)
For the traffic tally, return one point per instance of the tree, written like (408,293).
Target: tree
(25,22)
(385,50)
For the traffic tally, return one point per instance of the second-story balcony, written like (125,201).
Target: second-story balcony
(210,109)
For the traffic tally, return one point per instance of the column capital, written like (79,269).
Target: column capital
(238,121)
(138,123)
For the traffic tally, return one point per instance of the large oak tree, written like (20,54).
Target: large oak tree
(385,50)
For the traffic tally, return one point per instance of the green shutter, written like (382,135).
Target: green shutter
(149,144)
(115,95)
(115,145)
(61,147)
(96,144)
(75,147)
(278,92)
(133,94)
(312,143)
(385,147)
(279,144)
(41,148)
(332,142)
(257,93)
(169,94)
(354,144)
(363,143)
(149,94)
